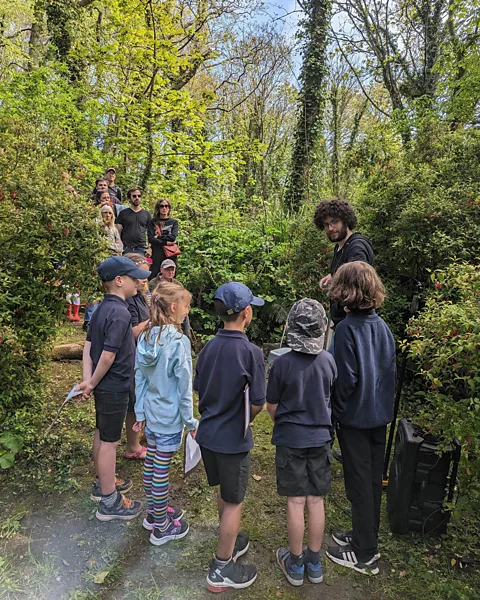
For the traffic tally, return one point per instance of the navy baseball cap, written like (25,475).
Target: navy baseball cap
(236,297)
(120,265)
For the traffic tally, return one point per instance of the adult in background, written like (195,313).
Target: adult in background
(164,233)
(101,186)
(132,224)
(108,220)
(167,274)
(115,190)
(338,219)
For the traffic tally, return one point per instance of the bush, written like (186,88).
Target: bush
(50,243)
(445,344)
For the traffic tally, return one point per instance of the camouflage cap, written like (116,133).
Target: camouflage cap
(306,326)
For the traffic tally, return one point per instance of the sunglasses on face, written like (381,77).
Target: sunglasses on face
(164,206)
(136,195)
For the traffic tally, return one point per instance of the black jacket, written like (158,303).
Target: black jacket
(357,247)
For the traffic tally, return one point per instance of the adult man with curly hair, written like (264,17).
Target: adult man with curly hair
(338,219)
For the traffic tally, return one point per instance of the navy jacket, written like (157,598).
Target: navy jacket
(366,362)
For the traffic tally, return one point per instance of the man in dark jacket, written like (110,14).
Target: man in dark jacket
(338,219)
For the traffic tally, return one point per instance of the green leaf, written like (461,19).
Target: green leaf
(6,460)
(11,442)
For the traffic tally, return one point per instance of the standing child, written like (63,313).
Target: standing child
(298,400)
(227,365)
(164,404)
(108,363)
(362,408)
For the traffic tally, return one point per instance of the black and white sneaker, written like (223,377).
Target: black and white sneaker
(232,576)
(345,538)
(173,513)
(242,544)
(347,557)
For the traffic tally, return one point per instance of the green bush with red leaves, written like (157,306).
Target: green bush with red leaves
(445,343)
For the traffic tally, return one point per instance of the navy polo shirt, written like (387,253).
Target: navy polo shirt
(137,305)
(111,330)
(301,384)
(225,366)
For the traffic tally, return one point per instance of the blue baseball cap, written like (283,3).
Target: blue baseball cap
(236,297)
(120,265)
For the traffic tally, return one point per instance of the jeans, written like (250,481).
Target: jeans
(89,310)
(130,250)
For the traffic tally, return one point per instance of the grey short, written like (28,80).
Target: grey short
(303,471)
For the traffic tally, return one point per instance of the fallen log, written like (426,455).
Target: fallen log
(67,352)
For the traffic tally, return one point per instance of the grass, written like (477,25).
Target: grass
(53,547)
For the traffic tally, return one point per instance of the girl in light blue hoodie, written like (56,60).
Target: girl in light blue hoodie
(164,404)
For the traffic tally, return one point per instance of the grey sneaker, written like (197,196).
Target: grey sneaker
(294,573)
(173,513)
(123,510)
(176,530)
(122,485)
(232,576)
(242,544)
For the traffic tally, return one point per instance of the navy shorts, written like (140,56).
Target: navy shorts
(303,471)
(110,413)
(229,471)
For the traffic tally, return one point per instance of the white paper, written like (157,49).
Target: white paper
(246,396)
(73,393)
(192,453)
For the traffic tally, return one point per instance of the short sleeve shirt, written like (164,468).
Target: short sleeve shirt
(225,366)
(137,305)
(301,384)
(134,227)
(111,330)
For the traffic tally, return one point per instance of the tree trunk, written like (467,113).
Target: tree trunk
(311,100)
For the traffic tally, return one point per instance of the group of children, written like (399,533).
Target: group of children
(310,393)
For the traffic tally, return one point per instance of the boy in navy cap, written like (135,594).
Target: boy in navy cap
(227,367)
(299,402)
(108,368)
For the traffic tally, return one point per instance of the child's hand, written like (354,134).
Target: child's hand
(87,388)
(193,433)
(138,426)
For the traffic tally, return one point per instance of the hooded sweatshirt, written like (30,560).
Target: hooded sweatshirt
(357,247)
(163,381)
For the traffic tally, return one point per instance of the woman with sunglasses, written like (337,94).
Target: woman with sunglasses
(133,223)
(166,231)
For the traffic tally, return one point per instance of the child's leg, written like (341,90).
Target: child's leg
(229,527)
(357,472)
(295,523)
(105,466)
(316,522)
(377,453)
(148,474)
(161,468)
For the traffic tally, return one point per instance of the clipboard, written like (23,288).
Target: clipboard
(192,454)
(246,400)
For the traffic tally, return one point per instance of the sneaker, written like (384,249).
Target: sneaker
(242,544)
(122,485)
(346,556)
(176,530)
(345,538)
(233,575)
(123,509)
(314,572)
(173,513)
(294,573)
